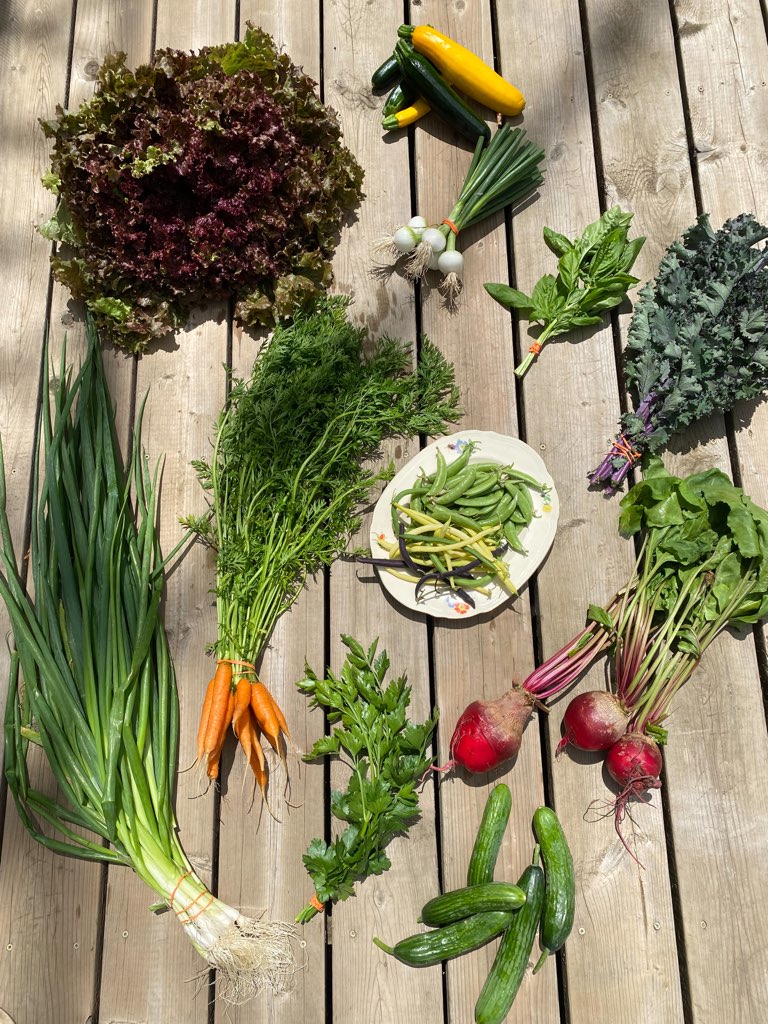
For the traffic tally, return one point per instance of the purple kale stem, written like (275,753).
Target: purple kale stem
(607,473)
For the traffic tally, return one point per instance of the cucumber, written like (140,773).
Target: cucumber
(386,74)
(425,949)
(401,96)
(474,899)
(489,835)
(506,974)
(560,891)
(445,101)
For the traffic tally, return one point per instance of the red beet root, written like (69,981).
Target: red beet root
(635,763)
(593,721)
(488,733)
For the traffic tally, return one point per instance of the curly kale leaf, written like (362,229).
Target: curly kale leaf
(698,340)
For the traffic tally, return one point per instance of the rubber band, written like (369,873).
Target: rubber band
(535,348)
(200,911)
(176,888)
(451,225)
(621,446)
(315,902)
(231,661)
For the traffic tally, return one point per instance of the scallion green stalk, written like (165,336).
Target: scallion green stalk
(91,678)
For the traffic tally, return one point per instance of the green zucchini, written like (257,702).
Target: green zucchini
(560,890)
(402,96)
(425,949)
(386,74)
(489,835)
(445,101)
(474,899)
(506,974)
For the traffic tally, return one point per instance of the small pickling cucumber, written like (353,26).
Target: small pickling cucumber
(504,979)
(473,899)
(560,890)
(489,835)
(425,949)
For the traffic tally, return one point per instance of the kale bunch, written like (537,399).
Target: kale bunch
(698,340)
(195,178)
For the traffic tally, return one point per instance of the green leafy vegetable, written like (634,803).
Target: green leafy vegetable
(698,341)
(195,178)
(592,277)
(287,478)
(92,687)
(388,756)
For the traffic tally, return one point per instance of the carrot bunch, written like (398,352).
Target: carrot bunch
(250,709)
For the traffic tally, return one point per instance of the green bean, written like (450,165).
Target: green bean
(515,474)
(485,481)
(461,484)
(441,475)
(455,467)
(484,500)
(510,534)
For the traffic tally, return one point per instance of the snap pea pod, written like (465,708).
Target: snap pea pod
(441,475)
(485,481)
(459,485)
(483,500)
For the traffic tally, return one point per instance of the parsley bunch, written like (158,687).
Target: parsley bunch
(698,341)
(387,754)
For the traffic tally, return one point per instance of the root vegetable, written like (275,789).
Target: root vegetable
(488,733)
(634,762)
(595,720)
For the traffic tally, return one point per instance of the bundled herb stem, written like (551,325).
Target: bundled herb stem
(92,684)
(388,756)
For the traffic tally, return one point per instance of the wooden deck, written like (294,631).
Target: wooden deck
(660,106)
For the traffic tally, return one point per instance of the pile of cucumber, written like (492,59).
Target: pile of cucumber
(465,919)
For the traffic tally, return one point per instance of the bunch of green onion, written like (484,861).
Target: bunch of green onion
(92,684)
(501,172)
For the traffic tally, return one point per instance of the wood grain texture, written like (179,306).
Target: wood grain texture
(721,819)
(153,971)
(570,401)
(480,658)
(260,865)
(367,984)
(48,905)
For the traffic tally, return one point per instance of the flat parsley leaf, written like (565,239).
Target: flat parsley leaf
(387,754)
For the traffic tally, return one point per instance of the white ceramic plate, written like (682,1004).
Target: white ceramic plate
(537,538)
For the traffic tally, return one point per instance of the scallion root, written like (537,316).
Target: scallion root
(250,956)
(418,263)
(384,248)
(450,287)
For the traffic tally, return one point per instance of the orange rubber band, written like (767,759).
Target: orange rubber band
(231,661)
(451,225)
(315,902)
(201,910)
(535,348)
(176,887)
(621,446)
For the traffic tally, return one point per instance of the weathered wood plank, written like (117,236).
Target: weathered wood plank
(48,905)
(368,985)
(482,657)
(260,862)
(570,403)
(150,966)
(719,816)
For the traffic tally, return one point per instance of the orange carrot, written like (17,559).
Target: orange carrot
(204,721)
(242,701)
(263,707)
(215,753)
(222,690)
(242,725)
